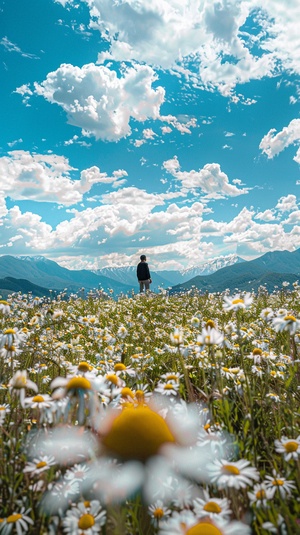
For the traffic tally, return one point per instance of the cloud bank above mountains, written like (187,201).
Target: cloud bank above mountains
(139,169)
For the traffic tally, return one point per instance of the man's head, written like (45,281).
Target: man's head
(143,258)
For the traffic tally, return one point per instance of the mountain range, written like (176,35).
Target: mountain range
(270,270)
(38,275)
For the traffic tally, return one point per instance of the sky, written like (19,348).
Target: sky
(168,128)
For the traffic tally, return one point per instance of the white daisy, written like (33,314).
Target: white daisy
(289,447)
(17,521)
(280,483)
(85,518)
(260,495)
(212,507)
(237,474)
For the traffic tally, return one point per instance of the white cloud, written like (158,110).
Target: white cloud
(100,102)
(267,215)
(272,143)
(12,47)
(287,203)
(166,33)
(210,179)
(47,178)
(293,218)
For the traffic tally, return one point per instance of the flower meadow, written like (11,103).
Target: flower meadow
(150,414)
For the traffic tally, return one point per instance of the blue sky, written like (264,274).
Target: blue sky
(169,128)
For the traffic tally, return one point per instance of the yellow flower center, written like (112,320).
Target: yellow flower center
(291,446)
(172,377)
(289,318)
(112,378)
(2,302)
(119,367)
(9,331)
(83,367)
(212,507)
(226,370)
(86,521)
(2,408)
(41,464)
(158,513)
(168,386)
(210,323)
(230,469)
(140,395)
(13,518)
(261,494)
(137,433)
(78,382)
(237,301)
(38,399)
(277,482)
(127,392)
(204,528)
(257,351)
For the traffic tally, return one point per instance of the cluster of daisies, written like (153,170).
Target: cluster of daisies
(168,414)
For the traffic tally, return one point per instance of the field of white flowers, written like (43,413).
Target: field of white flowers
(157,414)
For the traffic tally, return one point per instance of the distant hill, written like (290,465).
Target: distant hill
(271,269)
(11,285)
(49,274)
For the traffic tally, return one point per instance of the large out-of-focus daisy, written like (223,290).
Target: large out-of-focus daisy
(236,474)
(152,446)
(290,448)
(186,523)
(84,519)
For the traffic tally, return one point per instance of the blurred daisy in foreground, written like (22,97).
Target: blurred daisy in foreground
(84,518)
(289,447)
(186,523)
(232,474)
(148,449)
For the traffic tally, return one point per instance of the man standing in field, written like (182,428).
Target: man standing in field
(143,274)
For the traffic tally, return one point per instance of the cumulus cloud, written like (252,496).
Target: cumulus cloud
(287,203)
(166,33)
(266,215)
(47,178)
(210,179)
(99,101)
(273,143)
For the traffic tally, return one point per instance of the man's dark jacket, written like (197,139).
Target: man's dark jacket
(142,271)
